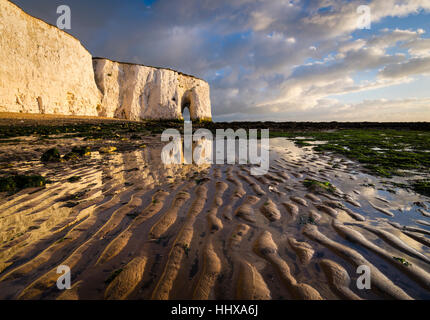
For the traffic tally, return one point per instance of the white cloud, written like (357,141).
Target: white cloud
(414,66)
(265,59)
(418,47)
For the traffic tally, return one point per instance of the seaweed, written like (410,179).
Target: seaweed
(13,184)
(52,155)
(319,186)
(402,261)
(422,187)
(305,219)
(77,153)
(110,149)
(382,152)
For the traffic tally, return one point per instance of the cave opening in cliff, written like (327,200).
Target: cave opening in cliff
(186,107)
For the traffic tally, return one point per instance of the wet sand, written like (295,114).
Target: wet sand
(133,228)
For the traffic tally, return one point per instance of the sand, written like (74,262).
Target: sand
(133,228)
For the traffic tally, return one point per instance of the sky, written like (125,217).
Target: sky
(272,60)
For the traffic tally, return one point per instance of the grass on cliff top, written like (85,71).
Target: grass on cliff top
(384,152)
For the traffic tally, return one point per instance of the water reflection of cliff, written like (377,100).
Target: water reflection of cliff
(177,153)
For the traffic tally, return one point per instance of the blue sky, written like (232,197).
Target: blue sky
(272,60)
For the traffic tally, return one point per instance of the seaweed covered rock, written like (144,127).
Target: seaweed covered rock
(52,155)
(422,187)
(13,184)
(77,153)
(107,149)
(82,151)
(319,186)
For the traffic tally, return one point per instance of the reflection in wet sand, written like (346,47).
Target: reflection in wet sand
(134,227)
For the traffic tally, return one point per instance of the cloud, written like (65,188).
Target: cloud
(418,47)
(279,59)
(381,110)
(413,66)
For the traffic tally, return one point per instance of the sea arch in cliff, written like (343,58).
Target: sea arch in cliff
(188,103)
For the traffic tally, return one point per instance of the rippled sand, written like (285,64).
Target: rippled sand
(133,228)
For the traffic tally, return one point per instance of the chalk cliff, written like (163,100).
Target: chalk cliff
(138,92)
(43,69)
(46,70)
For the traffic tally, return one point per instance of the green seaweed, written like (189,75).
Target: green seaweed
(402,261)
(82,151)
(319,186)
(52,155)
(13,184)
(303,143)
(422,187)
(305,219)
(383,152)
(77,153)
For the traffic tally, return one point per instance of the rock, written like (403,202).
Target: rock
(16,183)
(77,153)
(82,151)
(47,71)
(52,155)
(43,69)
(137,92)
(107,149)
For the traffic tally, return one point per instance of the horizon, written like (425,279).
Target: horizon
(299,170)
(281,61)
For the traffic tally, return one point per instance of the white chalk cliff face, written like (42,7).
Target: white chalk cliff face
(138,92)
(45,70)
